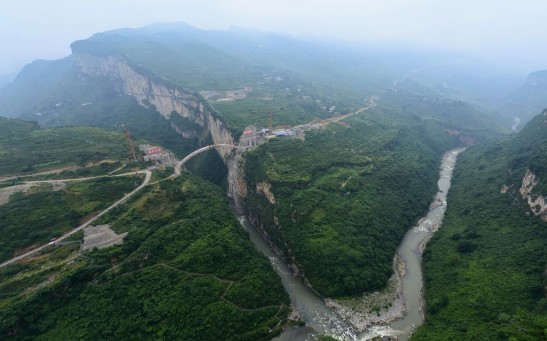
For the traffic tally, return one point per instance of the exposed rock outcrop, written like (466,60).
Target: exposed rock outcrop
(159,94)
(6,192)
(537,203)
(237,187)
(156,93)
(264,188)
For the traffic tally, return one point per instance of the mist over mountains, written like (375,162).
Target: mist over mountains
(239,56)
(232,166)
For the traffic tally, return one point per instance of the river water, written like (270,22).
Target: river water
(410,251)
(312,309)
(321,319)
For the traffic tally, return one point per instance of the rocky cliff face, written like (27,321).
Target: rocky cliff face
(237,187)
(537,203)
(153,92)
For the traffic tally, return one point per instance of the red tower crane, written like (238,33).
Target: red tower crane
(133,155)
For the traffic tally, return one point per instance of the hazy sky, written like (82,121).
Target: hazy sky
(510,30)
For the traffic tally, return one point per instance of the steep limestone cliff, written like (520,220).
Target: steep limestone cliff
(156,93)
(237,187)
(153,92)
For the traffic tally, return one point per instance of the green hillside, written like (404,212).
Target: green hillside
(346,195)
(74,100)
(485,269)
(185,271)
(24,148)
(38,82)
(33,218)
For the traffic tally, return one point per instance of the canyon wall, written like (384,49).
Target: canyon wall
(156,93)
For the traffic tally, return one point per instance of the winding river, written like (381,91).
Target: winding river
(311,308)
(321,319)
(410,252)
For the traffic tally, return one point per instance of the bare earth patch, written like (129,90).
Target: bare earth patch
(6,192)
(101,236)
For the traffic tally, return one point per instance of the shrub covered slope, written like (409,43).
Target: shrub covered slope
(485,268)
(186,271)
(26,148)
(346,195)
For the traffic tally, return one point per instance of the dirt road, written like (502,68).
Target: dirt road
(71,232)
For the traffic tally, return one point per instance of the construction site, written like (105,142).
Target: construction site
(158,155)
(253,136)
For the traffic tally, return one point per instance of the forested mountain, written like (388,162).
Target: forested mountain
(150,77)
(485,269)
(338,149)
(186,270)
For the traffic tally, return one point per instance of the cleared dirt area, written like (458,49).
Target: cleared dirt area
(101,236)
(6,192)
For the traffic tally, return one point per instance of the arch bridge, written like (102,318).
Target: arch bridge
(201,150)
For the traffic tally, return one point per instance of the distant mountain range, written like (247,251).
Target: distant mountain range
(206,60)
(333,200)
(6,79)
(527,100)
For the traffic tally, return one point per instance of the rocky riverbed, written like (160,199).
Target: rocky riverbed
(398,310)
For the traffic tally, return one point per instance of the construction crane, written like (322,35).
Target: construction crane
(130,145)
(270,119)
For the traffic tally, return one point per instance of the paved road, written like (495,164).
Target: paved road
(176,173)
(321,123)
(68,234)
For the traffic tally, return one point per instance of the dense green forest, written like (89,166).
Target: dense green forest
(185,271)
(485,268)
(42,213)
(343,196)
(346,195)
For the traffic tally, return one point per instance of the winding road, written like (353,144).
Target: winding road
(148,173)
(87,223)
(146,181)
